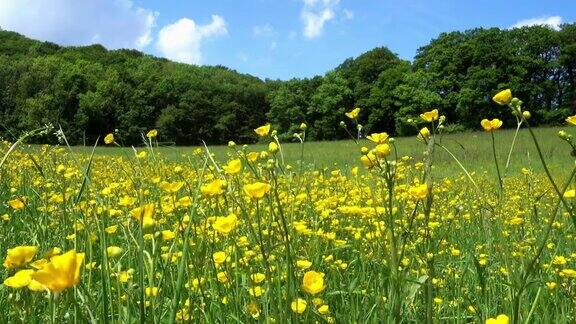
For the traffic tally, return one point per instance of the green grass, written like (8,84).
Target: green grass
(473,149)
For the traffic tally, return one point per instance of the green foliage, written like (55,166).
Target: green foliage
(91,91)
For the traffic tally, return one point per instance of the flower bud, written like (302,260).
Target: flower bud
(273,147)
(342,124)
(526,114)
(563,135)
(515,102)
(231,144)
(364,150)
(391,140)
(303,126)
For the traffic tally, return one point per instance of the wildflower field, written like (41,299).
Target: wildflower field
(260,234)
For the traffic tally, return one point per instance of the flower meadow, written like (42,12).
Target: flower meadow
(141,238)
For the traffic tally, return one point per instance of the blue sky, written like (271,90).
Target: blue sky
(268,38)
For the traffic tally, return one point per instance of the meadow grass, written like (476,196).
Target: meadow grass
(473,149)
(403,234)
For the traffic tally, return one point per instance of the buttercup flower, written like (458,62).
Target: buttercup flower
(378,138)
(571,120)
(313,282)
(503,97)
(430,116)
(491,125)
(263,130)
(256,190)
(62,272)
(109,139)
(500,319)
(226,224)
(19,255)
(152,133)
(353,114)
(298,305)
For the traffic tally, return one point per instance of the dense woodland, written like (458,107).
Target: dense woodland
(91,91)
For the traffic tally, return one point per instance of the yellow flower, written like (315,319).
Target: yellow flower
(151,291)
(143,213)
(172,187)
(503,97)
(313,282)
(114,251)
(273,147)
(253,309)
(233,166)
(111,229)
(382,150)
(21,279)
(424,133)
(369,160)
(213,188)
(152,133)
(255,291)
(168,235)
(18,203)
(419,191)
(263,130)
(353,114)
(571,120)
(257,277)
(378,138)
(568,273)
(19,255)
(252,156)
(256,190)
(109,139)
(298,305)
(500,319)
(491,125)
(430,116)
(222,277)
(63,271)
(219,257)
(225,225)
(570,193)
(303,264)
(551,285)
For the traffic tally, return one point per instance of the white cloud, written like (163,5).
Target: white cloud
(113,23)
(315,14)
(348,14)
(273,46)
(265,30)
(182,40)
(243,57)
(553,22)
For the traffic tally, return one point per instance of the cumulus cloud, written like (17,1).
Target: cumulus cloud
(263,31)
(551,21)
(182,40)
(113,23)
(315,14)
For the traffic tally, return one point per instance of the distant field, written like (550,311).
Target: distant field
(472,148)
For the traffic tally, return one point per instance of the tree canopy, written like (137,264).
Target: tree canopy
(90,91)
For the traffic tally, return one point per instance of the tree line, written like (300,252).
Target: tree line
(90,91)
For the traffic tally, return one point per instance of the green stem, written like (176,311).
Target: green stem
(496,163)
(560,194)
(512,146)
(530,268)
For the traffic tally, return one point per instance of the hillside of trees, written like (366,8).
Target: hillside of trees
(91,91)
